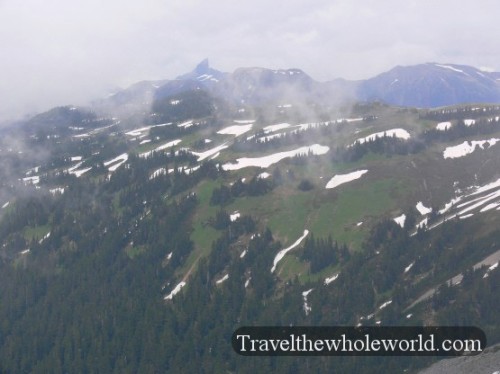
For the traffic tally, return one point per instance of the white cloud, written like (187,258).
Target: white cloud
(61,52)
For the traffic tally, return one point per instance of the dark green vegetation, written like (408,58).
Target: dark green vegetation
(90,294)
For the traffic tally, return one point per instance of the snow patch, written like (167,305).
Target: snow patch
(442,126)
(339,179)
(451,68)
(175,291)
(277,127)
(283,252)
(223,279)
(467,147)
(243,254)
(266,161)
(162,147)
(307,308)
(211,152)
(408,268)
(5,205)
(401,220)
(331,279)
(423,210)
(233,217)
(235,130)
(57,190)
(121,158)
(385,304)
(398,133)
(44,238)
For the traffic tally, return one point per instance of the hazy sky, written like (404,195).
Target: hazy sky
(57,52)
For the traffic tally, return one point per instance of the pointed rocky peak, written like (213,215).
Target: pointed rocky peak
(203,67)
(203,72)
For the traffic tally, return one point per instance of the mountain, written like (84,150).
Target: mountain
(426,86)
(432,85)
(140,241)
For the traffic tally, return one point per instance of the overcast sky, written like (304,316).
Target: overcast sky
(57,52)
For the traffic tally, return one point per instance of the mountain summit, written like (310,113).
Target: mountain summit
(431,85)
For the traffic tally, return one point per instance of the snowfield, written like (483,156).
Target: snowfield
(266,161)
(339,179)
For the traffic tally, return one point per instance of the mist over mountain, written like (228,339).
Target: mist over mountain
(425,86)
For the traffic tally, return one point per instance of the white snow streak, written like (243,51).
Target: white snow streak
(283,252)
(175,291)
(223,279)
(331,279)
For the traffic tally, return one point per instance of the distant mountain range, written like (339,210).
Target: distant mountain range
(425,85)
